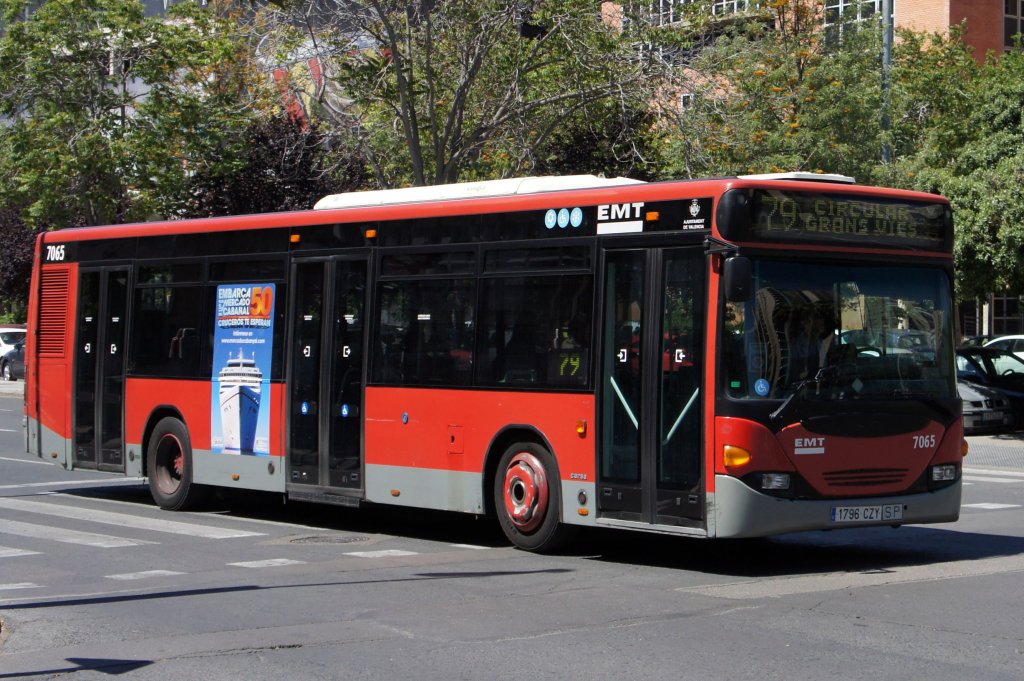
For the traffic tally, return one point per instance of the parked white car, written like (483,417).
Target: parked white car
(9,336)
(1014,344)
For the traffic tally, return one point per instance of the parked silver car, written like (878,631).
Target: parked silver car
(985,410)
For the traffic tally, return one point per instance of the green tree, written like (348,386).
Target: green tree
(977,159)
(773,91)
(109,110)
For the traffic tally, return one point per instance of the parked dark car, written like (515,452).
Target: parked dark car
(997,369)
(985,410)
(12,362)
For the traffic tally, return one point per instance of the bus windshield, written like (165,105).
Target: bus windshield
(836,332)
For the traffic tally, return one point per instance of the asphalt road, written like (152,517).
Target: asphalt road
(95,581)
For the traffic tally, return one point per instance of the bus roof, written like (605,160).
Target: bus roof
(469,190)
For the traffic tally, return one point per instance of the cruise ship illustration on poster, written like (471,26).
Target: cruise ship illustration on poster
(243,352)
(240,389)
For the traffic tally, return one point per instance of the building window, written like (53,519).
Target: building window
(851,10)
(1013,12)
(722,7)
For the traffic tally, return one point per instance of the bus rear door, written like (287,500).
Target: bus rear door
(99,369)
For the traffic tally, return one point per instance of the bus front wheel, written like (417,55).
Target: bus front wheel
(169,466)
(527,498)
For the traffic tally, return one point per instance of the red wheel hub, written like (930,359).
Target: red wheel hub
(526,491)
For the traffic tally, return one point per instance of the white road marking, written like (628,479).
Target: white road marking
(19,585)
(470,546)
(991,506)
(985,478)
(41,463)
(128,576)
(102,541)
(993,471)
(75,483)
(7,552)
(384,553)
(123,520)
(272,562)
(7,430)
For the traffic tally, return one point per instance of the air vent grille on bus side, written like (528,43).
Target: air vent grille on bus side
(53,312)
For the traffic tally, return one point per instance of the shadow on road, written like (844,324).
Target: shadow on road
(852,550)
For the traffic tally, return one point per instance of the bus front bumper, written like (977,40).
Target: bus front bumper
(744,512)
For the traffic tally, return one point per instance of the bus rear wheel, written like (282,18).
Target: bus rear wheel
(527,498)
(169,466)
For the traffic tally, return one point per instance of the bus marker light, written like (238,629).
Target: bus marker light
(236,477)
(583,511)
(371,234)
(775,481)
(734,456)
(581,427)
(396,492)
(943,473)
(653,216)
(295,238)
(964,448)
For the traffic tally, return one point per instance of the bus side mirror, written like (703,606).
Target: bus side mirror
(738,279)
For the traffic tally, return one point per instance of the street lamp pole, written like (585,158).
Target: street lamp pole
(887,31)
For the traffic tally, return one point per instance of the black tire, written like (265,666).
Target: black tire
(5,372)
(169,467)
(527,498)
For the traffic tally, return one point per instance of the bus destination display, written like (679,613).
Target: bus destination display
(805,217)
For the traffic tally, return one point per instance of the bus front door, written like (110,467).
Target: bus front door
(99,369)
(326,379)
(651,452)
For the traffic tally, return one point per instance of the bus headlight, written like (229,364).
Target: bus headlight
(944,473)
(775,481)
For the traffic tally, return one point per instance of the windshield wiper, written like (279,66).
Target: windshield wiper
(819,379)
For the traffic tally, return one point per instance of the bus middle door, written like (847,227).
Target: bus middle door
(650,458)
(326,377)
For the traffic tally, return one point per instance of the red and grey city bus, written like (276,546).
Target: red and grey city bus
(732,357)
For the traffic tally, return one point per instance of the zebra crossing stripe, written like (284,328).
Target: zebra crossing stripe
(124,520)
(271,562)
(986,478)
(102,541)
(144,575)
(385,553)
(991,506)
(7,552)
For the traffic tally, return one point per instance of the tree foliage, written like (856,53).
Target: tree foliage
(775,92)
(976,157)
(102,100)
(466,89)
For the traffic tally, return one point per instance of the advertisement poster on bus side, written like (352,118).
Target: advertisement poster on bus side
(242,354)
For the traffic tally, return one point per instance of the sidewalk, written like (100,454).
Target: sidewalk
(12,389)
(1002,450)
